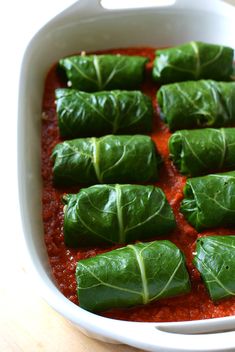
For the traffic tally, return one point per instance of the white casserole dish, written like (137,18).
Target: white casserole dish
(88,26)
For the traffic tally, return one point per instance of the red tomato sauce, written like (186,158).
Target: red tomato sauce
(194,305)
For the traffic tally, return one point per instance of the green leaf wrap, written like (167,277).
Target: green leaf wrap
(92,73)
(210,201)
(116,214)
(108,159)
(215,260)
(136,274)
(193,61)
(197,152)
(200,104)
(83,114)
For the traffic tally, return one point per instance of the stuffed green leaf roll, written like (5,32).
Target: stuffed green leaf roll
(199,104)
(215,260)
(91,73)
(193,61)
(82,114)
(116,214)
(108,159)
(197,152)
(209,201)
(136,274)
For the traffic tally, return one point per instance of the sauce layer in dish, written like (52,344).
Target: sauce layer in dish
(196,304)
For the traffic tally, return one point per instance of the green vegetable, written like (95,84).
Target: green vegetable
(215,260)
(92,73)
(83,114)
(210,201)
(108,159)
(200,104)
(198,152)
(136,274)
(193,61)
(116,214)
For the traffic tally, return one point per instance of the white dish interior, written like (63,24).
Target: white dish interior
(87,26)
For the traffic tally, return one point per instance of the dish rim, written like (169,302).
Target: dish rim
(101,327)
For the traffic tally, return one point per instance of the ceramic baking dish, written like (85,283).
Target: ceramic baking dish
(88,26)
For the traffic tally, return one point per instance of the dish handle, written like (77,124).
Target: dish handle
(89,8)
(173,338)
(95,6)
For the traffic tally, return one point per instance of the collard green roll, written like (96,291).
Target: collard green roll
(215,260)
(116,214)
(83,114)
(197,152)
(108,159)
(136,274)
(92,73)
(199,104)
(209,201)
(193,61)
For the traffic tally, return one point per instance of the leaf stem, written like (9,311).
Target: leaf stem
(120,214)
(96,159)
(140,261)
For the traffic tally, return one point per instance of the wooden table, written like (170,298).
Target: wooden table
(28,324)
